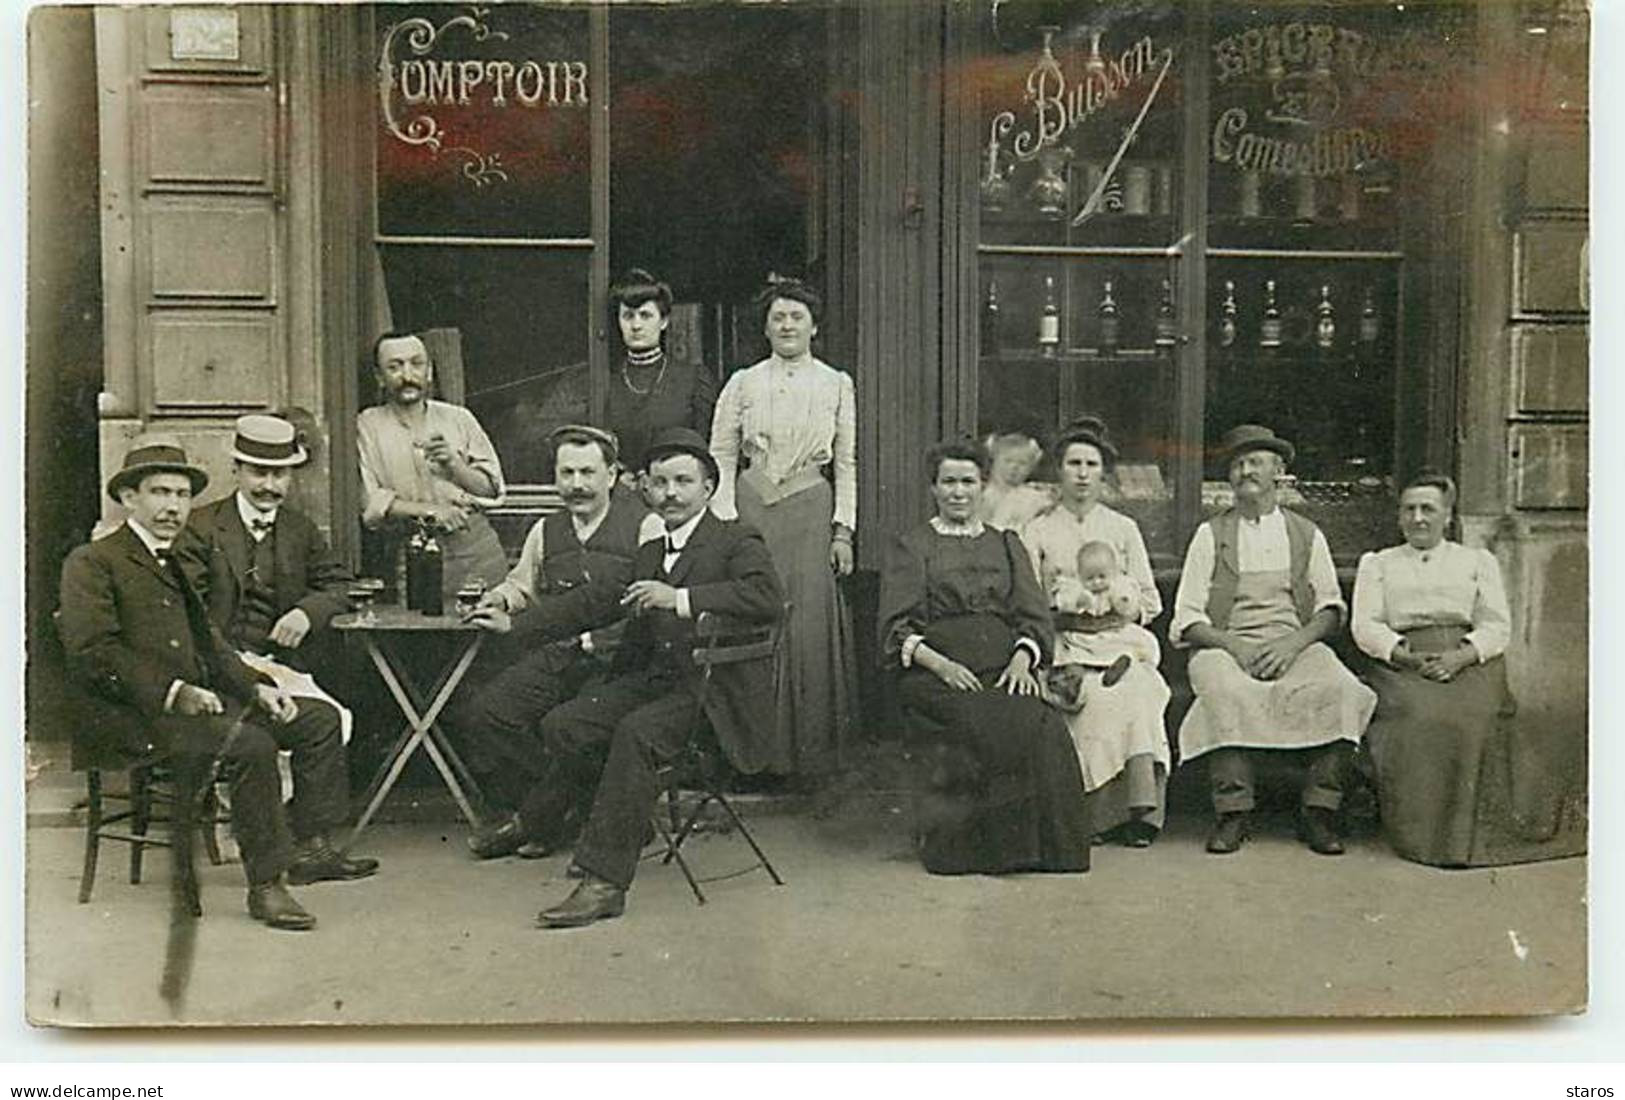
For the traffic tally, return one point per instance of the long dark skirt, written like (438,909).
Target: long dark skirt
(1004,792)
(1461,782)
(817,678)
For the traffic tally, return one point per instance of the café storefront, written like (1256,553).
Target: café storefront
(1363,224)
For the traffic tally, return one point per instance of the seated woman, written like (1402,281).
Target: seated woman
(1461,783)
(1115,711)
(962,615)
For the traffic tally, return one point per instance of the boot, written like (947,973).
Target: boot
(1229,833)
(316,860)
(270,903)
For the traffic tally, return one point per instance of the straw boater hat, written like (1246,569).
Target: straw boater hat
(267,441)
(1253,437)
(155,454)
(686,441)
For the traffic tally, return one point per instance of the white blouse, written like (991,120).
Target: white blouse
(1054,538)
(787,418)
(1401,588)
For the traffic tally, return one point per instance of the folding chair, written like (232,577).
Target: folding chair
(718,642)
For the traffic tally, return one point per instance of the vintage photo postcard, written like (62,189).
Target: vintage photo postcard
(835,511)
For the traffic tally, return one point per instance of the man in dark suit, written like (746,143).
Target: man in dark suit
(559,604)
(140,641)
(648,710)
(272,584)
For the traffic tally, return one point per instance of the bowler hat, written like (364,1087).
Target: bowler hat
(155,454)
(681,441)
(1253,437)
(267,441)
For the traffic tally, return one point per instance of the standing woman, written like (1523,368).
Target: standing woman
(779,425)
(1461,782)
(650,390)
(1119,733)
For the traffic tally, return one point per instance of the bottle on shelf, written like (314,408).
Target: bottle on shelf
(1227,315)
(1049,322)
(1250,202)
(1108,319)
(1269,328)
(1370,326)
(1325,323)
(1167,330)
(1305,198)
(990,319)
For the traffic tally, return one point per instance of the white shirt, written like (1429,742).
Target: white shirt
(1402,588)
(1261,547)
(252,515)
(676,542)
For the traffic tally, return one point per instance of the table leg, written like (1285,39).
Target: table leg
(436,737)
(405,747)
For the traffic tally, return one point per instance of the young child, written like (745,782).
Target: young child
(1101,628)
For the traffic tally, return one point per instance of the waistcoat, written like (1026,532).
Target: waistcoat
(1300,536)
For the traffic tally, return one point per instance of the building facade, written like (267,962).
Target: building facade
(1363,224)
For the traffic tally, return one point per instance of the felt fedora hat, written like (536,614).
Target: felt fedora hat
(686,441)
(1253,437)
(267,441)
(155,454)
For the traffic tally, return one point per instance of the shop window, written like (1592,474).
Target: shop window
(484,205)
(1191,221)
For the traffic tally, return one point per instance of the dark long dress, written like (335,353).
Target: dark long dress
(679,394)
(1462,782)
(1004,792)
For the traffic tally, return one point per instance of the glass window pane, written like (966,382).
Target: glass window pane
(525,367)
(483,122)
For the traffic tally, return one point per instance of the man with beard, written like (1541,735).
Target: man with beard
(1257,596)
(558,601)
(139,640)
(272,584)
(428,462)
(646,713)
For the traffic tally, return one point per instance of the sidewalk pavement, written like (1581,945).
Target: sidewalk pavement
(859,932)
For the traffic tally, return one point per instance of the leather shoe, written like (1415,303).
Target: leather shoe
(574,870)
(502,839)
(534,849)
(592,900)
(1115,671)
(270,903)
(1228,834)
(1320,832)
(318,861)
(1138,834)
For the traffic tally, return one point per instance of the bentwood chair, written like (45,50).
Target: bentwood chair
(719,642)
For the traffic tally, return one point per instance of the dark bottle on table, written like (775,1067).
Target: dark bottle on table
(414,569)
(432,571)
